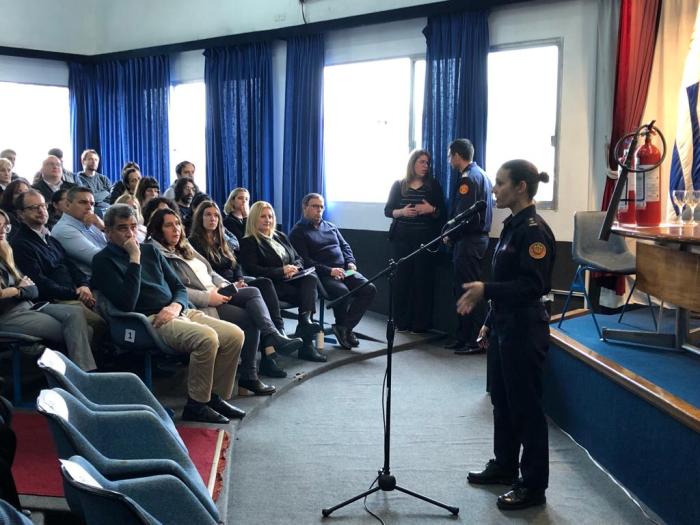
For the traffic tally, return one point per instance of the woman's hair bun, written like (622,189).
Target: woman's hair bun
(543,177)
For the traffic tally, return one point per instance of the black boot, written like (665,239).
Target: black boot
(269,367)
(281,343)
(306,328)
(309,353)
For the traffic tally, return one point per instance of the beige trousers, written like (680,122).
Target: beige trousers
(214,347)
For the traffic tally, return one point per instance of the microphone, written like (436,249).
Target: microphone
(475,208)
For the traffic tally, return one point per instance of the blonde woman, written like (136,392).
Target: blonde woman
(132,201)
(63,325)
(268,253)
(237,208)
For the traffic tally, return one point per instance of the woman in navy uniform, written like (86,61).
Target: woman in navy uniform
(517,327)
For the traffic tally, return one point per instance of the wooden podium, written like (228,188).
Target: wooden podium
(668,269)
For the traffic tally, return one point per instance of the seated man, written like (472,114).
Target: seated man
(79,229)
(320,244)
(44,261)
(98,183)
(183,169)
(185,191)
(51,180)
(137,278)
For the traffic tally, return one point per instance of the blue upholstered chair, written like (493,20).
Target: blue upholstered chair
(151,500)
(14,343)
(120,444)
(133,332)
(11,516)
(113,391)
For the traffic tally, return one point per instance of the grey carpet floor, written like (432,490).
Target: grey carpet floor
(320,443)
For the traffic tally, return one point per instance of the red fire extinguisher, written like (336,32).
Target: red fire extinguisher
(648,210)
(626,212)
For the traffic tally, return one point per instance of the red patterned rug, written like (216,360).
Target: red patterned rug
(36,464)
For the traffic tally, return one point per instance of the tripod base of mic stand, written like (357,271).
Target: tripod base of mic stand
(387,483)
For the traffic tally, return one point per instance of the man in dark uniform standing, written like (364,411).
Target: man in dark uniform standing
(471,241)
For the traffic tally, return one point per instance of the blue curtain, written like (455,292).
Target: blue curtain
(303,124)
(456,92)
(239,120)
(120,109)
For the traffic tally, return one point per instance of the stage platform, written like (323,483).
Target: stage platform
(635,409)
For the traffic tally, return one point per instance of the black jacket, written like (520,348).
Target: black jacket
(261,260)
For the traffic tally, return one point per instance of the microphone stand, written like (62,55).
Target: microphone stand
(386,481)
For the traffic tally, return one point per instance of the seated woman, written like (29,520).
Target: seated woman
(7,203)
(268,253)
(157,203)
(118,188)
(211,293)
(63,325)
(208,238)
(237,208)
(147,189)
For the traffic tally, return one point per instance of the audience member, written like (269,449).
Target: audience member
(185,190)
(137,278)
(417,205)
(183,169)
(7,203)
(321,245)
(79,230)
(236,303)
(157,203)
(58,204)
(237,208)
(59,324)
(132,201)
(51,180)
(147,189)
(268,253)
(5,174)
(118,189)
(97,182)
(10,155)
(131,178)
(68,176)
(43,259)
(208,238)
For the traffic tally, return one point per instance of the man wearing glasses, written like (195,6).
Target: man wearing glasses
(320,244)
(51,181)
(42,258)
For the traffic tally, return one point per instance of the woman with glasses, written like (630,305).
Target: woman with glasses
(417,206)
(57,324)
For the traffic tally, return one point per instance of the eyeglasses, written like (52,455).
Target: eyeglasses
(7,228)
(316,206)
(36,207)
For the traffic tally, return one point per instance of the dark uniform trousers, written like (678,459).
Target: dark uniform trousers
(519,342)
(349,315)
(467,255)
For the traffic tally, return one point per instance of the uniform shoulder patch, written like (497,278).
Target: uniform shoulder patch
(463,188)
(537,250)
(531,222)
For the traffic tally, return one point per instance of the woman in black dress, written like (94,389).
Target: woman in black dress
(417,205)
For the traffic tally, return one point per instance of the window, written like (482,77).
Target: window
(371,117)
(186,119)
(35,119)
(522,112)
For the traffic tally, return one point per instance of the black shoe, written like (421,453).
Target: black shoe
(305,327)
(282,343)
(469,350)
(269,367)
(309,353)
(521,498)
(256,387)
(203,414)
(341,334)
(352,338)
(493,474)
(455,345)
(225,409)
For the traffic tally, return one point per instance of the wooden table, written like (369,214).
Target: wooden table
(668,269)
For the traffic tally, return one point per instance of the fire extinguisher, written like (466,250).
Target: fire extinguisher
(648,209)
(626,213)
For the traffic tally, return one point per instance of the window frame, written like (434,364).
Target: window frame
(556,139)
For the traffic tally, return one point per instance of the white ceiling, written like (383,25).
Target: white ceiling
(91,27)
